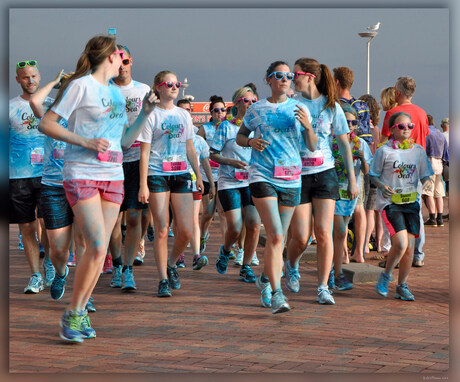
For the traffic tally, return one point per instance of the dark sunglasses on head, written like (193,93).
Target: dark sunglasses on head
(22,64)
(401,126)
(170,84)
(353,122)
(217,109)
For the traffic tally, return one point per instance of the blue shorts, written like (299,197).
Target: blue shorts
(57,212)
(176,184)
(322,185)
(400,217)
(288,197)
(131,183)
(234,198)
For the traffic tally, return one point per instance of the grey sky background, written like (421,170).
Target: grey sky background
(219,50)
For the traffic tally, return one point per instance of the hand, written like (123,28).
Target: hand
(238,164)
(259,143)
(302,117)
(143,194)
(96,144)
(149,102)
(387,191)
(352,190)
(200,187)
(212,191)
(57,80)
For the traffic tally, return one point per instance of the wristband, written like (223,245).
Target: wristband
(249,140)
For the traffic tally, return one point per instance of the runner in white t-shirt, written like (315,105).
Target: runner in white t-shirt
(397,169)
(92,174)
(274,172)
(233,188)
(319,180)
(166,145)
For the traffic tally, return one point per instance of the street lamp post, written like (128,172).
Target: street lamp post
(185,85)
(370,36)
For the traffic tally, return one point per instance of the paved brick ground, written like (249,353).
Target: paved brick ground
(215,324)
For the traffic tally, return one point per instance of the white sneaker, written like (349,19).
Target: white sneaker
(35,284)
(239,254)
(325,296)
(255,260)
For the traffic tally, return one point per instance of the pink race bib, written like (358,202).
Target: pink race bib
(110,156)
(58,153)
(311,162)
(287,172)
(241,174)
(36,156)
(213,164)
(174,166)
(136,144)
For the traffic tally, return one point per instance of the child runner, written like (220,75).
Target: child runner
(319,180)
(274,172)
(233,187)
(166,145)
(397,169)
(93,175)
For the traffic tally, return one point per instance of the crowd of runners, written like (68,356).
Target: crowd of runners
(111,161)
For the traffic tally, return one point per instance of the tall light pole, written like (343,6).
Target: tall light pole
(370,36)
(185,85)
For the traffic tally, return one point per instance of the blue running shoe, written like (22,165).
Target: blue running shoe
(199,261)
(70,327)
(247,275)
(170,232)
(90,306)
(173,277)
(49,271)
(265,292)
(222,261)
(85,325)
(279,302)
(341,283)
(42,250)
(115,282)
(330,280)
(57,287)
(382,284)
(72,262)
(403,292)
(291,280)
(20,245)
(180,263)
(127,280)
(163,289)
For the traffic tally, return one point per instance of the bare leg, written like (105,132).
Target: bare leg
(183,223)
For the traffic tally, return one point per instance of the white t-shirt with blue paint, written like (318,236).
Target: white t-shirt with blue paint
(324,124)
(26,142)
(93,110)
(168,131)
(210,130)
(225,142)
(202,152)
(280,162)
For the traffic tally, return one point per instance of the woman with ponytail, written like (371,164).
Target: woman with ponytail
(320,185)
(93,175)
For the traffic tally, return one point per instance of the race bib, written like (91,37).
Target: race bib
(213,164)
(110,156)
(36,156)
(312,159)
(343,190)
(136,144)
(287,172)
(174,163)
(404,195)
(241,174)
(58,153)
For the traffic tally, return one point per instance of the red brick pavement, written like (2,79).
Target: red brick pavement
(215,324)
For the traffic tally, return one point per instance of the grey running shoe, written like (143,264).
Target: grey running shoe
(116,277)
(90,306)
(403,292)
(35,284)
(324,296)
(279,302)
(163,289)
(265,292)
(173,277)
(49,271)
(291,280)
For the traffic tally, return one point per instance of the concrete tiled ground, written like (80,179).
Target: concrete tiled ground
(215,324)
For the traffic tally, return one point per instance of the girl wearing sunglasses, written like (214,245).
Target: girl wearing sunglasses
(92,172)
(397,168)
(344,207)
(166,149)
(218,113)
(233,189)
(278,123)
(320,187)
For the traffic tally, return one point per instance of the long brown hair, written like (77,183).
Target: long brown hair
(97,49)
(323,81)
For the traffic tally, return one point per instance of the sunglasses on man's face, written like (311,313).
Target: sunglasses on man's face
(401,126)
(22,64)
(170,84)
(125,61)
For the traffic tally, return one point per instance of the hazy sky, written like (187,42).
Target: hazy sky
(219,50)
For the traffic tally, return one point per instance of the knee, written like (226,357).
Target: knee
(132,218)
(253,227)
(275,239)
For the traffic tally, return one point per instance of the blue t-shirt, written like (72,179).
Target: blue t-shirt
(54,160)
(26,142)
(225,142)
(324,124)
(280,163)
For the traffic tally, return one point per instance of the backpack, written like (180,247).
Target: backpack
(363,116)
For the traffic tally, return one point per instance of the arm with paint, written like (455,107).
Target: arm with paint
(345,152)
(144,192)
(37,99)
(191,156)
